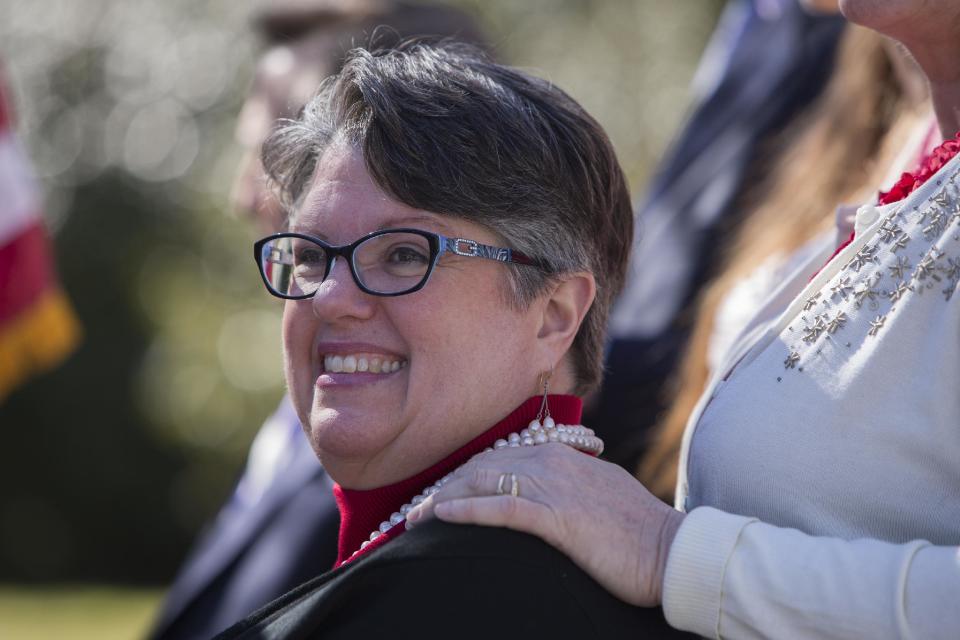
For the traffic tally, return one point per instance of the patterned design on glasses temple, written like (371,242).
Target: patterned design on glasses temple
(398,272)
(471,248)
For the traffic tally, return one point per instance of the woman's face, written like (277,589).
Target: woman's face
(466,359)
(915,23)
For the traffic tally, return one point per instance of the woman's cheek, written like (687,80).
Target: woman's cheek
(296,344)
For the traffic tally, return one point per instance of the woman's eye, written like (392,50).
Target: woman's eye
(401,255)
(309,256)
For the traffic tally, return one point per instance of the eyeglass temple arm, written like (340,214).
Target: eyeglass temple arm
(473,249)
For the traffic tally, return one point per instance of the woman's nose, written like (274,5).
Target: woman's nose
(339,296)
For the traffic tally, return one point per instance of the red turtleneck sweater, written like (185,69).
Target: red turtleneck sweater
(362,511)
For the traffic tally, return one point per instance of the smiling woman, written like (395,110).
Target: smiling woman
(457,230)
(433,401)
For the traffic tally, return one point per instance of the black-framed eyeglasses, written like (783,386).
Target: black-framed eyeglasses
(391,262)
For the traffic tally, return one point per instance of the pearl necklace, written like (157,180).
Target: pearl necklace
(577,436)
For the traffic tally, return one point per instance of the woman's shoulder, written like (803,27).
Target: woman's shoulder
(462,580)
(523,581)
(436,539)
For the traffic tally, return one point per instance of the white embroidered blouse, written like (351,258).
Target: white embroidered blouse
(821,469)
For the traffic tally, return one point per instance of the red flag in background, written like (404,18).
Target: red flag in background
(38,327)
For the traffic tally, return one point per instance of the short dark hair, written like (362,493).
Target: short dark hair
(444,129)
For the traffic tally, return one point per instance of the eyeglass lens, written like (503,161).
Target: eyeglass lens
(387,263)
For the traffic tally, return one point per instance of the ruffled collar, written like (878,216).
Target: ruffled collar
(910,182)
(361,511)
(931,163)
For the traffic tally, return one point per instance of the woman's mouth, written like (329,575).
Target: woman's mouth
(362,363)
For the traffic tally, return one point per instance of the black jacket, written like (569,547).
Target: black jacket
(455,581)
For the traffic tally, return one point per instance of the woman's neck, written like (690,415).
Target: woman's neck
(909,76)
(362,511)
(938,61)
(946,104)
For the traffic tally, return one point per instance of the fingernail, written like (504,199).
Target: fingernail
(443,509)
(412,517)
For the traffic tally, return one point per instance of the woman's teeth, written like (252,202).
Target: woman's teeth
(361,364)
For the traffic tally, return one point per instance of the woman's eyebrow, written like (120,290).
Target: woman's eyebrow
(306,221)
(415,219)
(297,226)
(307,230)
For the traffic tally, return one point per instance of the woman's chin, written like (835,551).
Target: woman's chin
(344,411)
(342,438)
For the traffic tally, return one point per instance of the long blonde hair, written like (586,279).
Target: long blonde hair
(845,143)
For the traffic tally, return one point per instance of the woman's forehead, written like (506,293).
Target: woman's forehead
(329,223)
(342,191)
(343,203)
(342,209)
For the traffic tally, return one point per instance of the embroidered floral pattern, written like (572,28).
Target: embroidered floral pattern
(841,288)
(900,242)
(881,274)
(900,268)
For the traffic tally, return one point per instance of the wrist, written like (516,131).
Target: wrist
(668,531)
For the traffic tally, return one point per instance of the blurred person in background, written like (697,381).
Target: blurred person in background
(280,525)
(873,122)
(817,489)
(766,62)
(38,327)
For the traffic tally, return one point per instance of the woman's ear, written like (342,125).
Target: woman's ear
(563,313)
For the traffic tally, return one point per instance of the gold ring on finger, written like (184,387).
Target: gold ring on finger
(500,483)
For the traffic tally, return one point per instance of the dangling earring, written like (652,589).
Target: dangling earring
(543,415)
(543,429)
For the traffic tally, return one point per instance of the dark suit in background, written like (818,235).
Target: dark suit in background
(265,540)
(766,62)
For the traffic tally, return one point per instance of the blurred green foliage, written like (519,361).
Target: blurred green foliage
(78,613)
(110,464)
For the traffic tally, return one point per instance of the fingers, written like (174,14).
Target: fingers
(498,511)
(592,510)
(475,481)
(421,513)
(505,470)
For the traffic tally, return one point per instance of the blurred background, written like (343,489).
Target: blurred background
(110,463)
